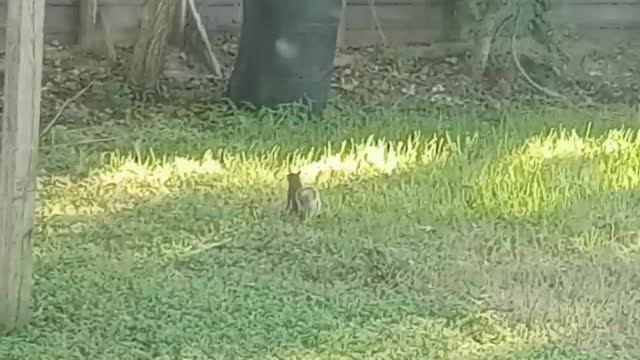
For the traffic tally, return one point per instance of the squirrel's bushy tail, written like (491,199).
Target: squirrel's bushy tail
(309,202)
(307,196)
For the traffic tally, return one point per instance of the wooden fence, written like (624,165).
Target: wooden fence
(403,21)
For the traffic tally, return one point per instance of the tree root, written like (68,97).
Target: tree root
(514,53)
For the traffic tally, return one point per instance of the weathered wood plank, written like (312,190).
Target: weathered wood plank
(425,17)
(394,37)
(593,18)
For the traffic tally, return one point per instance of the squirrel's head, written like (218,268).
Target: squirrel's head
(293,174)
(294,178)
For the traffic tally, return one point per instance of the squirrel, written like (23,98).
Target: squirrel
(303,201)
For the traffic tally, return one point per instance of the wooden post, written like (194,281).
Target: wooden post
(158,17)
(18,158)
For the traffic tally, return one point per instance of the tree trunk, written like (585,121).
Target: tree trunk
(148,54)
(176,35)
(286,53)
(482,40)
(484,18)
(18,159)
(95,33)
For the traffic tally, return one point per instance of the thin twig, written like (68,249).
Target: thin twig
(67,102)
(376,20)
(217,68)
(83,142)
(539,87)
(208,247)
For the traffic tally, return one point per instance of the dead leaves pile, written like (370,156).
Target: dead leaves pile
(365,76)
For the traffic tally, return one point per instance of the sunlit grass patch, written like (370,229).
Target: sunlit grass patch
(440,177)
(130,179)
(421,180)
(125,182)
(552,171)
(372,157)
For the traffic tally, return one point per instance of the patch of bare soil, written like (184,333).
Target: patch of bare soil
(588,74)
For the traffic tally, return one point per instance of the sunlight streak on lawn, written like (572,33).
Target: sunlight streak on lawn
(546,173)
(127,180)
(552,171)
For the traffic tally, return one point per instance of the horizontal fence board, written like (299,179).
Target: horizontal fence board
(394,37)
(603,3)
(394,17)
(221,17)
(402,21)
(60,18)
(601,20)
(585,13)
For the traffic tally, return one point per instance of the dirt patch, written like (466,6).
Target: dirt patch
(589,74)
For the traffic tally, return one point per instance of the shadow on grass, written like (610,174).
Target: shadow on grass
(383,262)
(402,255)
(121,285)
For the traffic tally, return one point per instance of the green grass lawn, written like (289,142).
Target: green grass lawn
(442,237)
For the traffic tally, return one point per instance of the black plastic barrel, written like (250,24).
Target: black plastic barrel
(286,53)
